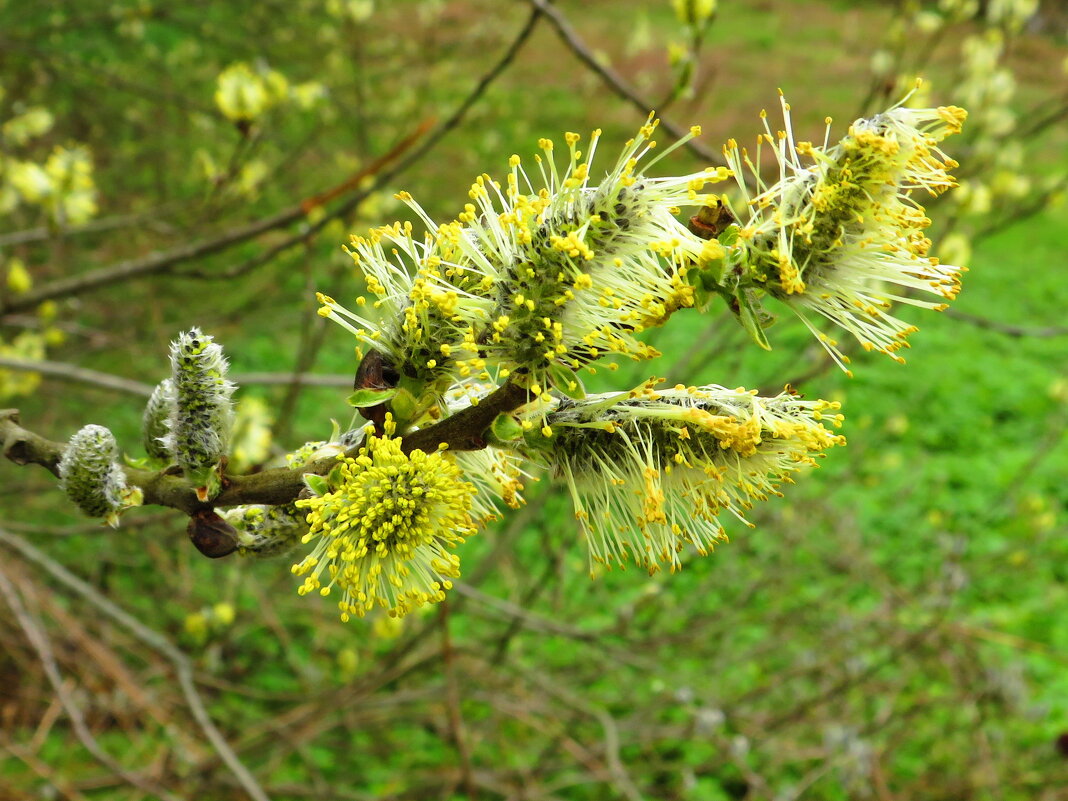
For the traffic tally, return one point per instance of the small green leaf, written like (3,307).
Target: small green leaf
(566,381)
(206,482)
(405,406)
(131,496)
(334,478)
(711,274)
(534,440)
(702,297)
(316,483)
(362,398)
(729,236)
(506,428)
(143,462)
(752,320)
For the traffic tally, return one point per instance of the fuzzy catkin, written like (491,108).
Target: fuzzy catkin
(265,531)
(90,474)
(650,474)
(157,412)
(202,414)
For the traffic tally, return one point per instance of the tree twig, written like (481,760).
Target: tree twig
(161,262)
(183,668)
(1016,331)
(613,80)
(65,371)
(305,379)
(78,375)
(461,431)
(452,700)
(40,644)
(38,766)
(44,233)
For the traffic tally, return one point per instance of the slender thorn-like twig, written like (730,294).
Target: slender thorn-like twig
(183,668)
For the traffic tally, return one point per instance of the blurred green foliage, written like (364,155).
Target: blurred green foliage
(894,628)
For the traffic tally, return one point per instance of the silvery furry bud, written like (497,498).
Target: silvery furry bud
(91,476)
(202,414)
(154,420)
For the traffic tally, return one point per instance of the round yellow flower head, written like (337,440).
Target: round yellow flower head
(386,529)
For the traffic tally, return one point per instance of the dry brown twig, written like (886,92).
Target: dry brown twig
(570,37)
(39,640)
(183,668)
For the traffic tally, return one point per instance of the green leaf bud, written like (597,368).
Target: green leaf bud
(154,420)
(506,428)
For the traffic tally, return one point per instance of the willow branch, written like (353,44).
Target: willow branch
(1016,331)
(462,431)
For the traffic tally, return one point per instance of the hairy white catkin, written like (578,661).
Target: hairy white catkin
(202,413)
(90,474)
(157,412)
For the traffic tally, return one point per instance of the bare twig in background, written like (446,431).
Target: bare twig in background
(305,379)
(77,375)
(454,713)
(44,233)
(148,265)
(532,620)
(64,371)
(1016,331)
(162,262)
(618,771)
(613,80)
(35,634)
(182,667)
(41,768)
(1020,212)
